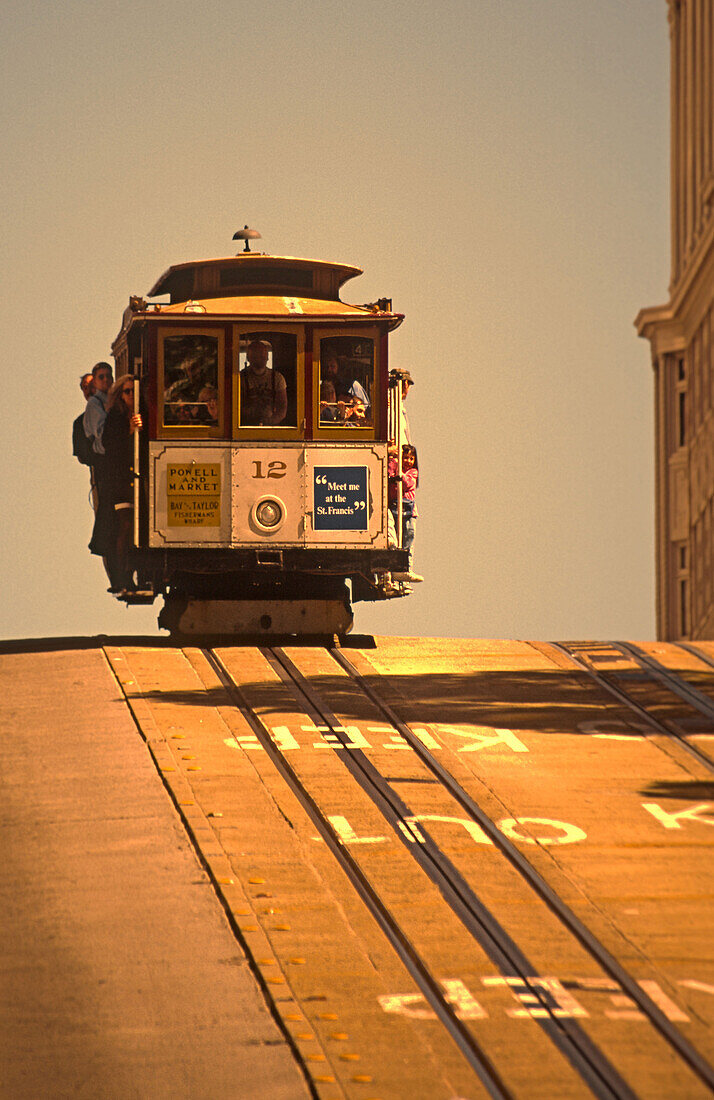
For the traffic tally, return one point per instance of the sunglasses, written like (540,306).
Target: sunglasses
(128,389)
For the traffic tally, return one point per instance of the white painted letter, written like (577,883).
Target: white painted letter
(672,821)
(485,737)
(572,833)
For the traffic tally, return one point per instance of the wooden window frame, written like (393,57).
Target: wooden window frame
(275,431)
(183,431)
(344,434)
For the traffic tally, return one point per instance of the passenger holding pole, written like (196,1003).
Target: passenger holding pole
(408,479)
(123,420)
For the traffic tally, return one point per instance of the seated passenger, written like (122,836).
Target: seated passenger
(329,411)
(208,398)
(263,392)
(333,371)
(352,411)
(121,423)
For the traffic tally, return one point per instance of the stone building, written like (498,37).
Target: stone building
(681,335)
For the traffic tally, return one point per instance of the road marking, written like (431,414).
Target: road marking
(701,987)
(457,994)
(558,1001)
(472,828)
(411,831)
(604,729)
(409,827)
(553,999)
(484,737)
(466,1005)
(426,739)
(571,833)
(623,1007)
(673,820)
(331,739)
(346,833)
(283,738)
(655,992)
(481,737)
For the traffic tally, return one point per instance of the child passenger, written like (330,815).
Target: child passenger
(410,480)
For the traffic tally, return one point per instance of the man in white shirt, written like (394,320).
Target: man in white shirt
(96,411)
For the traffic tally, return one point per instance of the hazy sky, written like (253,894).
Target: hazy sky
(498,167)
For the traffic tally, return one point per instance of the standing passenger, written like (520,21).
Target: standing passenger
(406,382)
(81,444)
(410,480)
(121,423)
(102,541)
(96,411)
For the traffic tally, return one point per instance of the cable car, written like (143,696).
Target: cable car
(260,474)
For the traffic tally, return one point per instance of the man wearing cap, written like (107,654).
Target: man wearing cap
(406,382)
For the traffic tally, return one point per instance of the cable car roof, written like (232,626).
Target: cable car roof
(276,306)
(253,273)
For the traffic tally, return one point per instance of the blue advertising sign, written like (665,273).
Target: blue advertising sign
(341,502)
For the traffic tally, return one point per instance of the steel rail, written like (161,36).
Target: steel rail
(696,652)
(584,936)
(428,985)
(671,680)
(605,680)
(567,1035)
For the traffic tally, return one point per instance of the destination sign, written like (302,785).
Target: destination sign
(193,494)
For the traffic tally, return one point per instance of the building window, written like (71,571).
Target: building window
(683,624)
(681,418)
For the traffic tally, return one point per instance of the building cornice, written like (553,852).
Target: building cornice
(669,327)
(664,331)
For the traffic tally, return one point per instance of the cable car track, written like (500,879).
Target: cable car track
(428,985)
(580,653)
(595,1069)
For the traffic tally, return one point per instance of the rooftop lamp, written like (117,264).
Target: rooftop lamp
(246,234)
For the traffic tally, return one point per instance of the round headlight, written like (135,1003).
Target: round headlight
(268,513)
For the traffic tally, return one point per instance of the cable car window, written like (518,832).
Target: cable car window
(191,381)
(268,379)
(346,381)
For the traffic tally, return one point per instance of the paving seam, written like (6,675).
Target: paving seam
(217,867)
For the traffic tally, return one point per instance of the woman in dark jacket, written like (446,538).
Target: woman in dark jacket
(121,423)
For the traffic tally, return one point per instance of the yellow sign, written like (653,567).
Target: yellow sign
(193,494)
